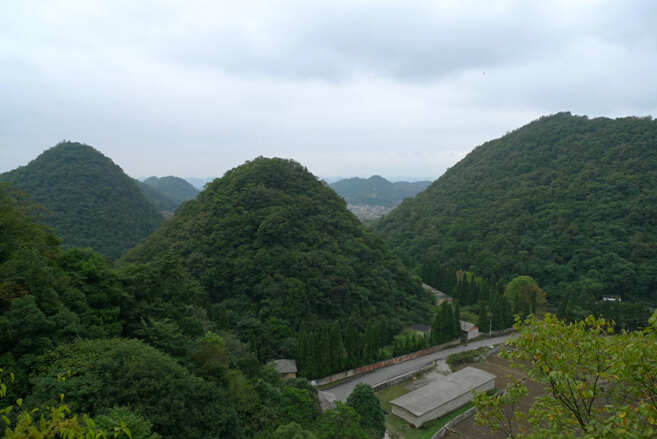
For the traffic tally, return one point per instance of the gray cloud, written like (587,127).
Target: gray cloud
(345,87)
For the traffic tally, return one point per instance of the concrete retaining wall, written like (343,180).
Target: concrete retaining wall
(401,359)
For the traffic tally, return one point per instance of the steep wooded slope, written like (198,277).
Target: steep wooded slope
(173,187)
(376,190)
(93,202)
(568,200)
(269,240)
(157,198)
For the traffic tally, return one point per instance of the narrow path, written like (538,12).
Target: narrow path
(342,391)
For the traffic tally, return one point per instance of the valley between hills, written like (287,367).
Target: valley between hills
(163,306)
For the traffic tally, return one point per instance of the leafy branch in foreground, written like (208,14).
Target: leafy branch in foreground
(56,425)
(598,385)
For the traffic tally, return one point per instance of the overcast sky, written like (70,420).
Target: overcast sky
(346,88)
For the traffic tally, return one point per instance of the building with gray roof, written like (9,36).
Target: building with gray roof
(440,296)
(442,396)
(287,368)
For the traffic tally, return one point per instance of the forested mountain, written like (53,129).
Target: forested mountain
(93,202)
(161,202)
(132,347)
(376,190)
(273,244)
(174,188)
(568,200)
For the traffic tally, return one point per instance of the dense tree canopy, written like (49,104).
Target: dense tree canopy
(174,188)
(269,241)
(567,200)
(92,201)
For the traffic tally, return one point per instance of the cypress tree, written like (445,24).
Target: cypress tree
(311,356)
(360,349)
(383,333)
(507,312)
(371,342)
(350,344)
(457,321)
(483,317)
(448,318)
(324,354)
(534,299)
(435,329)
(337,355)
(302,349)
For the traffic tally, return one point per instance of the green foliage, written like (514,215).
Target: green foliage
(55,420)
(131,374)
(599,385)
(292,431)
(159,200)
(368,406)
(268,240)
(19,227)
(341,423)
(93,202)
(463,357)
(567,200)
(174,188)
(527,291)
(376,190)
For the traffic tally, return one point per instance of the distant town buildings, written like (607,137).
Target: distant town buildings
(368,213)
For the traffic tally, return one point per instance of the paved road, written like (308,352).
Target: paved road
(342,391)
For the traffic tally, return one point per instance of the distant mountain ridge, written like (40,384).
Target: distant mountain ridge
(568,200)
(93,202)
(376,190)
(174,188)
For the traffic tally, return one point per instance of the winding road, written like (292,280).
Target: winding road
(342,390)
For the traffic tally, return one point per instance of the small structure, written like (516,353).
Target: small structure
(442,396)
(287,368)
(611,298)
(326,401)
(440,296)
(422,329)
(469,330)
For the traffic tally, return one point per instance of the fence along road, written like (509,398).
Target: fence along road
(377,376)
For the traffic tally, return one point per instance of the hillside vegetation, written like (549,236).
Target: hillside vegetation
(567,200)
(160,201)
(133,348)
(174,188)
(376,190)
(269,241)
(92,201)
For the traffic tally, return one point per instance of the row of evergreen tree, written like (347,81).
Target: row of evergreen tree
(464,287)
(626,315)
(321,354)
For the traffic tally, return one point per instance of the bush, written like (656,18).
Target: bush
(463,357)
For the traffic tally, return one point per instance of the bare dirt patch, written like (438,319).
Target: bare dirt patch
(504,373)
